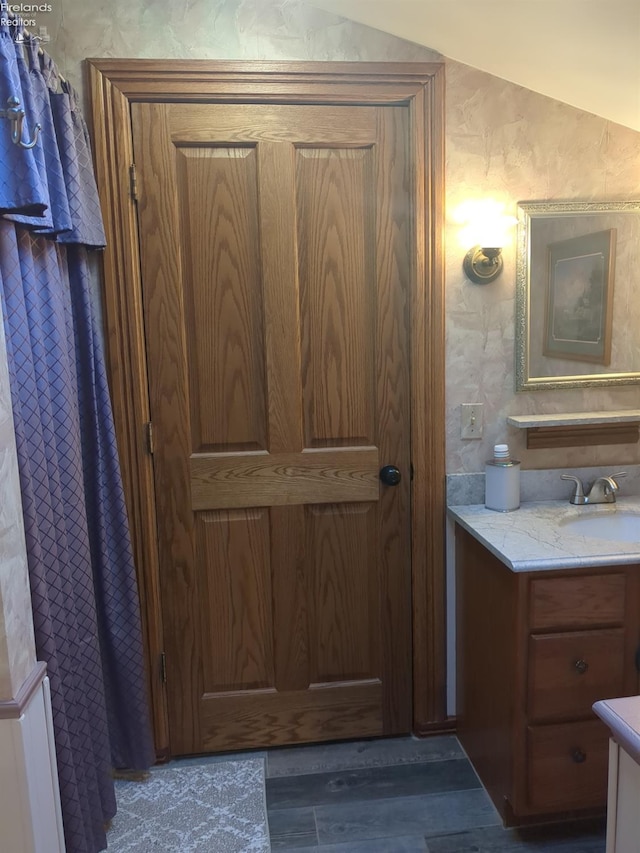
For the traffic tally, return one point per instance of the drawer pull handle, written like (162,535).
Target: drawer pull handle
(581,666)
(578,755)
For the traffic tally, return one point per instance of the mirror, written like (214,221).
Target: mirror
(577,294)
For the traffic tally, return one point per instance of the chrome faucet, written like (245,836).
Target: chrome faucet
(602,491)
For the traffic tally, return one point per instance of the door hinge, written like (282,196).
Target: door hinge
(149,434)
(133,182)
(163,667)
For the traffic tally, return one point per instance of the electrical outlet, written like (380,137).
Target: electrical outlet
(471,415)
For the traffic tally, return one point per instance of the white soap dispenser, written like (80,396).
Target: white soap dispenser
(502,481)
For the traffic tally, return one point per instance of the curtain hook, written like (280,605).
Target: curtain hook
(16,116)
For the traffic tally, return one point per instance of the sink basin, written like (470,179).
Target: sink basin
(619,526)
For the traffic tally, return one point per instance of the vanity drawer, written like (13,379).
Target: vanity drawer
(578,601)
(569,672)
(567,765)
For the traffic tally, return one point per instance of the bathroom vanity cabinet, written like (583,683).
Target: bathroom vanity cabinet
(535,650)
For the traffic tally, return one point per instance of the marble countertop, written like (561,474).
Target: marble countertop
(623,718)
(533,538)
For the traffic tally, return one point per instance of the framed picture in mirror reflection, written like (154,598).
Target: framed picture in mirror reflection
(575,328)
(579,316)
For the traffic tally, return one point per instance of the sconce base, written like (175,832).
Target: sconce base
(482,265)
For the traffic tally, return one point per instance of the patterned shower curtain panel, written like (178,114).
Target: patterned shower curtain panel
(83,584)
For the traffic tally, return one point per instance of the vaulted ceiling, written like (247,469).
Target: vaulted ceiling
(583,52)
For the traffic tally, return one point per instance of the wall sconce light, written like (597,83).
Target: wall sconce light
(483,264)
(486,228)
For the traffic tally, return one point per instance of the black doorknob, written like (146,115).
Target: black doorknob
(390,475)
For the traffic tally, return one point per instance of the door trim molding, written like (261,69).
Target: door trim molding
(116,83)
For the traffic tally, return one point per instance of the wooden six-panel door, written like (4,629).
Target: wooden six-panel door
(276,254)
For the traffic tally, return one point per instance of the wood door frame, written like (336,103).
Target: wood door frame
(116,83)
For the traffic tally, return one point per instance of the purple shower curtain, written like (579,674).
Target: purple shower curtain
(84,594)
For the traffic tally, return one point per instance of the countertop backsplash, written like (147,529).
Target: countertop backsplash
(539,485)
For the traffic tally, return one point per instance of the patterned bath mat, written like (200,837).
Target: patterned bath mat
(202,808)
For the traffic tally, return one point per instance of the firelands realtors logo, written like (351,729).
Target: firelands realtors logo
(23,15)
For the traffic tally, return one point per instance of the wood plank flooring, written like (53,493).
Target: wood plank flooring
(399,795)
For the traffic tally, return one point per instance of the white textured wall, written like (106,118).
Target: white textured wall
(213,29)
(513,144)
(502,141)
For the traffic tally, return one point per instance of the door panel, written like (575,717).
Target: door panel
(245,124)
(276,255)
(219,224)
(235,547)
(341,543)
(336,239)
(288,717)
(268,479)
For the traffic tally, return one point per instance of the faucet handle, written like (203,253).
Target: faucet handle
(579,487)
(578,497)
(619,474)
